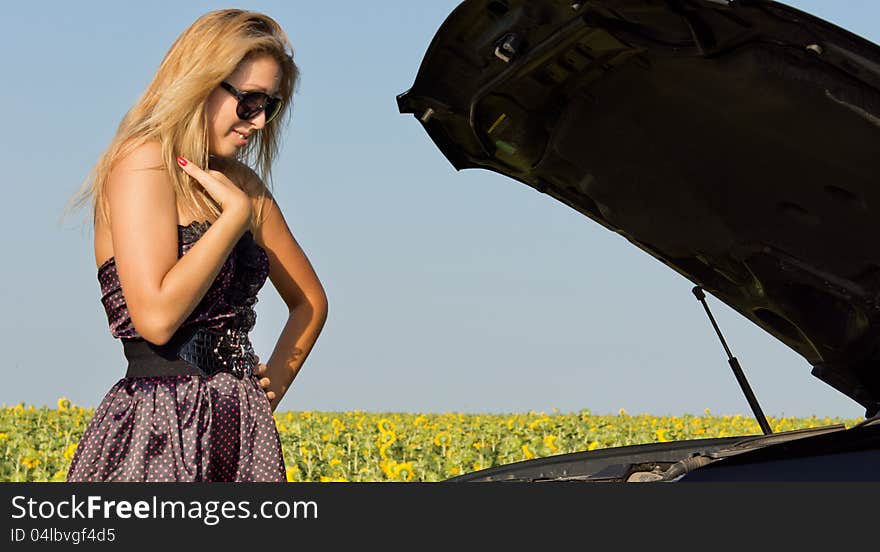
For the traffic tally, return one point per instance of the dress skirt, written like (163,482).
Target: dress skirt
(181,428)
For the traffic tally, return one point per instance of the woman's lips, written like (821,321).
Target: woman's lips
(240,138)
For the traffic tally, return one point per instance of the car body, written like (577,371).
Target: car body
(736,142)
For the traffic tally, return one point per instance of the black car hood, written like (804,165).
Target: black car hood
(830,453)
(735,142)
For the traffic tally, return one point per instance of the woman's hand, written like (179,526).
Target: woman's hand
(222,190)
(261,370)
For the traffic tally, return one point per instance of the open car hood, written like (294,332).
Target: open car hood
(735,142)
(830,453)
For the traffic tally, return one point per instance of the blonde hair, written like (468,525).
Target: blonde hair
(172,108)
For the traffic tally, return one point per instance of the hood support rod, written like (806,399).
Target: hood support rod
(734,365)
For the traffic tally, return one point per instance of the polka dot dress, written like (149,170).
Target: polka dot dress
(186,428)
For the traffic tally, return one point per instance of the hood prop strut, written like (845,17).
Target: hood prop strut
(734,364)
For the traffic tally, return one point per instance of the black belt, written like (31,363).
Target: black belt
(199,352)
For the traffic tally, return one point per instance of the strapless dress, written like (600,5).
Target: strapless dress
(191,409)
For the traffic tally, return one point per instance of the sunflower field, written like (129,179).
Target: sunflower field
(36,444)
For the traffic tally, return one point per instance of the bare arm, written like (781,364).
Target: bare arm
(295,280)
(160,290)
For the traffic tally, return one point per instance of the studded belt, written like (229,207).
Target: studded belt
(199,351)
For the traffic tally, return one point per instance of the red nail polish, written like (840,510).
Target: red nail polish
(181,161)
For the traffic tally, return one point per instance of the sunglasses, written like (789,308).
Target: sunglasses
(250,104)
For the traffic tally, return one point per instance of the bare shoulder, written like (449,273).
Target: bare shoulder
(145,156)
(250,182)
(245,177)
(138,181)
(141,199)
(138,172)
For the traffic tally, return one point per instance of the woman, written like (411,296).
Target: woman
(186,233)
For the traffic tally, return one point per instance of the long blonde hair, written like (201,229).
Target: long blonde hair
(172,108)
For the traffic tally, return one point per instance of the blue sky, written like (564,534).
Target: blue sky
(449,291)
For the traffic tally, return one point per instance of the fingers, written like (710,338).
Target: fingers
(200,176)
(264,382)
(260,369)
(226,193)
(187,165)
(195,171)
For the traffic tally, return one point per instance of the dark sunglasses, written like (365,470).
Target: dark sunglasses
(250,104)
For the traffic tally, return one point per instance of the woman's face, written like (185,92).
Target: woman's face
(226,132)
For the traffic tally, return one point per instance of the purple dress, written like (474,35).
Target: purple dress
(192,409)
